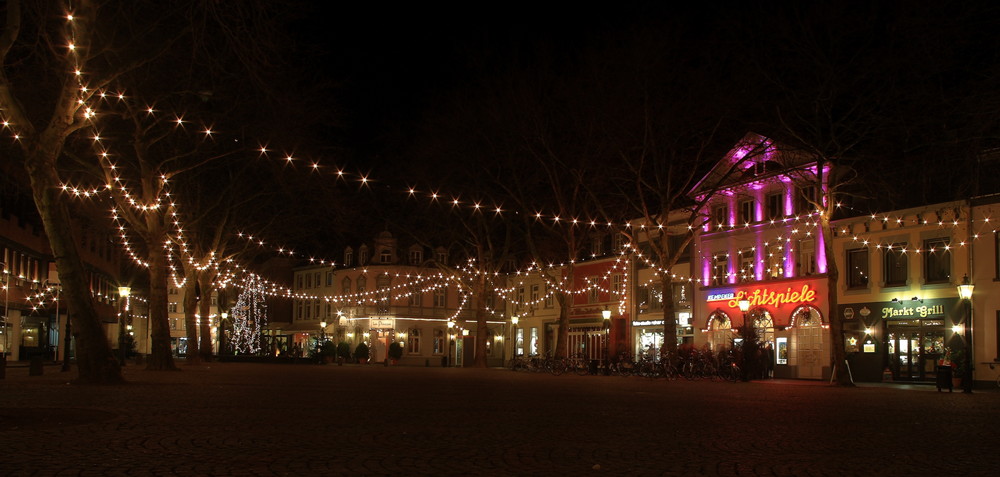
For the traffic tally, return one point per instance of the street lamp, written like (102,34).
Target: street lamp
(220,335)
(322,331)
(965,293)
(123,293)
(6,295)
(606,314)
(513,329)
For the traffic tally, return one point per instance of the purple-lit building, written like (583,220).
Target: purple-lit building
(760,241)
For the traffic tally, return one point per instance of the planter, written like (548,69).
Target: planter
(956,382)
(393,362)
(362,360)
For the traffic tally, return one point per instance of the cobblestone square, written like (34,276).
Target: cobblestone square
(270,419)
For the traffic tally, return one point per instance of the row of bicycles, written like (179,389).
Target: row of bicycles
(696,365)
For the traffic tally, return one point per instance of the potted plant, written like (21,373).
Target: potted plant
(343,352)
(361,353)
(395,351)
(958,366)
(323,353)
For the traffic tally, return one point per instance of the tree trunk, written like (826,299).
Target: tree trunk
(205,309)
(479,283)
(562,338)
(95,360)
(839,351)
(160,358)
(191,301)
(669,316)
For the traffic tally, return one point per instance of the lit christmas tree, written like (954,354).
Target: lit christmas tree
(249,317)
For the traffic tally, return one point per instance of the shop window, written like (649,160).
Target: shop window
(413,341)
(937,261)
(439,342)
(857,268)
(533,344)
(720,331)
(519,342)
(895,268)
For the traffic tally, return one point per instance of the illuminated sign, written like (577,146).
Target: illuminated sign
(910,311)
(767,297)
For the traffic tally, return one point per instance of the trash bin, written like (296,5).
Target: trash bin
(944,378)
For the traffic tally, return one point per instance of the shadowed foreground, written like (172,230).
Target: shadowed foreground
(256,419)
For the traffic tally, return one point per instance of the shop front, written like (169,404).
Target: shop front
(900,340)
(647,334)
(790,316)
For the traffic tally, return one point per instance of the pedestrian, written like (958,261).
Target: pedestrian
(768,361)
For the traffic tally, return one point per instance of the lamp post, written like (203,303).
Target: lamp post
(123,293)
(6,332)
(606,314)
(452,342)
(513,329)
(220,335)
(965,293)
(745,331)
(322,331)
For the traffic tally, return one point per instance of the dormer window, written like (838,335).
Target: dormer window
(348,257)
(385,256)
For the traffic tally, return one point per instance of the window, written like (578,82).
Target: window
(720,216)
(298,282)
(172,308)
(519,342)
(593,295)
(996,262)
(618,284)
(385,256)
(383,283)
(329,279)
(720,268)
(441,257)
(309,282)
(533,344)
(747,215)
(805,196)
(172,291)
(345,286)
(937,261)
(534,295)
(348,257)
(308,315)
(362,285)
(617,242)
(595,246)
(440,297)
(520,296)
(439,343)
(414,298)
(363,256)
(807,257)
(416,257)
(548,296)
(747,265)
(775,261)
(775,207)
(413,341)
(317,279)
(895,269)
(857,268)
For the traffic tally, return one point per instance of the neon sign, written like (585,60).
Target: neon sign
(767,297)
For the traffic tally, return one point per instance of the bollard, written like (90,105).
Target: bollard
(35,368)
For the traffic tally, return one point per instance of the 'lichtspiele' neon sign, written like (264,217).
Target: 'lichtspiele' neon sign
(766,297)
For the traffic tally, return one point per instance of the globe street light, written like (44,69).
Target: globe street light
(965,293)
(606,314)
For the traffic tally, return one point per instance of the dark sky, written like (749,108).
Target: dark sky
(392,62)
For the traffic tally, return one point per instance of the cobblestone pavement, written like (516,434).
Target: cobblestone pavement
(237,419)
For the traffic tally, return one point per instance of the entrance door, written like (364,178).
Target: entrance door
(913,348)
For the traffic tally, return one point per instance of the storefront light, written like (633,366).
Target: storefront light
(744,305)
(957,329)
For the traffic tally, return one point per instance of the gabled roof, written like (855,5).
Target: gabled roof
(753,157)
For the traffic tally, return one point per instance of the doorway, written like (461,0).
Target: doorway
(913,348)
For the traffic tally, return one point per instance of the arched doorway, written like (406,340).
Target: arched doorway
(719,331)
(806,346)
